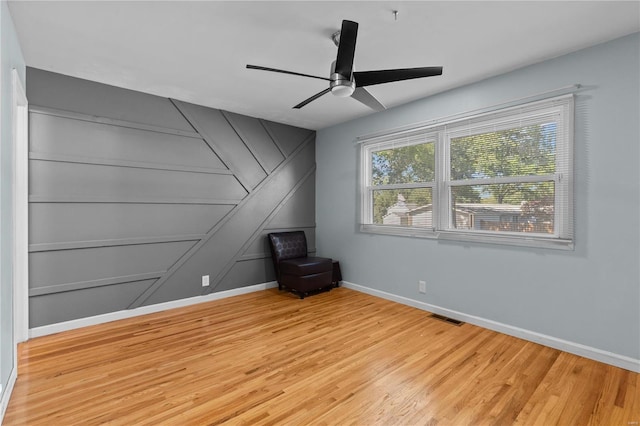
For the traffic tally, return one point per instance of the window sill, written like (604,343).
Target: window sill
(401,231)
(466,237)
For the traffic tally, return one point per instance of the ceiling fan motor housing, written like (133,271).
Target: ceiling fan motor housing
(340,85)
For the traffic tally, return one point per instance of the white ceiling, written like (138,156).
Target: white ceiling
(197,51)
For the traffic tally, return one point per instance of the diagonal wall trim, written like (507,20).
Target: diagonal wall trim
(215,148)
(110,121)
(136,197)
(239,207)
(122,163)
(294,227)
(131,200)
(273,138)
(80,285)
(243,139)
(72,245)
(247,257)
(216,281)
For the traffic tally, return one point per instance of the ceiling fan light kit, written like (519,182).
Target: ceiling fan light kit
(339,84)
(345,82)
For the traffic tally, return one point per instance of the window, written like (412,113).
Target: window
(403,179)
(502,177)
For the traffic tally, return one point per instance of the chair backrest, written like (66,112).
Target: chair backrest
(287,245)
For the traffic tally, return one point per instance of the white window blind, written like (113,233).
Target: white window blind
(503,177)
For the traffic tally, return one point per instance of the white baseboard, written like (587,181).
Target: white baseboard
(6,393)
(143,310)
(606,357)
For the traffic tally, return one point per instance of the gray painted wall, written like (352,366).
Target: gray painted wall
(133,197)
(589,296)
(11,57)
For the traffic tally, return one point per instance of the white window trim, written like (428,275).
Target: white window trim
(442,131)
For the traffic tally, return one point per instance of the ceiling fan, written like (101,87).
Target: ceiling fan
(344,81)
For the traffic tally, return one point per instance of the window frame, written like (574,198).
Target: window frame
(560,108)
(407,140)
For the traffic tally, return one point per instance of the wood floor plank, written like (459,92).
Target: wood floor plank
(341,357)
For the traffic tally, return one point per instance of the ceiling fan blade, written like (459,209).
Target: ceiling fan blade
(369,78)
(361,94)
(313,98)
(258,67)
(346,48)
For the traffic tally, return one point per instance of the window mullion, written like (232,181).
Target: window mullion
(443,172)
(366,195)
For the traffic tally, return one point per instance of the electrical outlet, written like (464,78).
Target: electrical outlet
(205,281)
(422,287)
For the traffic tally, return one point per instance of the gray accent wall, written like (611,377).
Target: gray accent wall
(589,296)
(134,197)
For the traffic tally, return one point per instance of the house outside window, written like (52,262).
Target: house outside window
(500,177)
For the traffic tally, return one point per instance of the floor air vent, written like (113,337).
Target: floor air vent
(447,319)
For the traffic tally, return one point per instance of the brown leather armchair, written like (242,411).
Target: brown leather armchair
(295,270)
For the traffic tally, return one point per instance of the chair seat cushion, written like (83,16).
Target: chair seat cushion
(306,265)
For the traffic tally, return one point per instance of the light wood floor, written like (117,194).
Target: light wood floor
(335,358)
